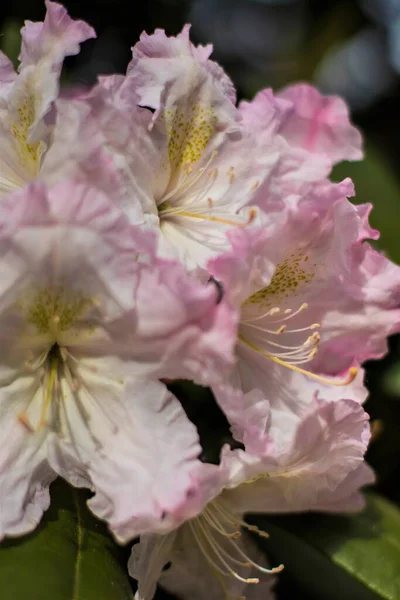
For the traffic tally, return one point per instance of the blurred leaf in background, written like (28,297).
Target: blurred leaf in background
(376,182)
(330,557)
(10,40)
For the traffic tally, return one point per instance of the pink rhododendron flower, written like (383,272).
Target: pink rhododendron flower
(311,292)
(41,136)
(90,319)
(191,171)
(309,460)
(196,167)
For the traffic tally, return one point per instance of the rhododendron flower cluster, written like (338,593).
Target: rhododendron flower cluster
(152,231)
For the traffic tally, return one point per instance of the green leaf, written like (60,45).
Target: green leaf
(70,556)
(376,182)
(330,557)
(10,40)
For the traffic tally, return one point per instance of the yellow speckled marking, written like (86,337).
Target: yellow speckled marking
(29,153)
(189,132)
(54,309)
(288,277)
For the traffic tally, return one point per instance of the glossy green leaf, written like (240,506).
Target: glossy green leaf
(376,182)
(329,557)
(71,556)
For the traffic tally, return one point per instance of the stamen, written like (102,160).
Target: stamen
(252,563)
(219,551)
(23,417)
(272,312)
(208,218)
(351,375)
(212,218)
(49,391)
(212,529)
(184,182)
(208,516)
(236,521)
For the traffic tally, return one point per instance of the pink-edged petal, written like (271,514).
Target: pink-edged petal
(348,496)
(44,47)
(77,207)
(296,168)
(180,321)
(366,231)
(266,113)
(248,414)
(307,467)
(146,471)
(245,267)
(58,36)
(158,60)
(159,45)
(76,151)
(7,73)
(320,124)
(127,140)
(356,325)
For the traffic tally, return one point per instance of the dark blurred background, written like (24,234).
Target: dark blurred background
(351,48)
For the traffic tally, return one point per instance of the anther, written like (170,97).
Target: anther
(252,215)
(231,174)
(254,186)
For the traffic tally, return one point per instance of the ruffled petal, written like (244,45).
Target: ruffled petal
(359,317)
(320,124)
(159,60)
(248,414)
(348,496)
(307,466)
(27,112)
(146,471)
(296,168)
(76,151)
(54,39)
(181,326)
(7,73)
